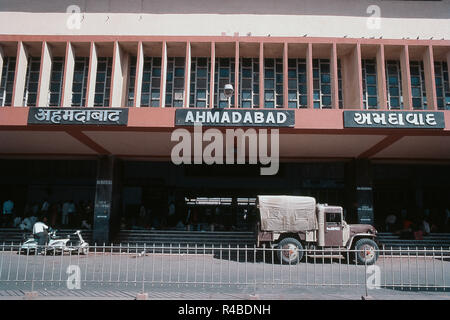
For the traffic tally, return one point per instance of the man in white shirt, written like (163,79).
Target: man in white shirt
(40,232)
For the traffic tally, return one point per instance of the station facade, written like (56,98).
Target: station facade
(91,97)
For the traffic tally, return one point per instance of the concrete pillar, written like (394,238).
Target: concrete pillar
(236,75)
(448,62)
(381,78)
(69,66)
(334,78)
(430,84)
(92,76)
(118,94)
(162,92)
(139,72)
(406,78)
(21,74)
(261,75)
(352,79)
(359,191)
(187,75)
(285,75)
(46,70)
(309,77)
(2,57)
(107,198)
(213,67)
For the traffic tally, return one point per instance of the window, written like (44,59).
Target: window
(442,85)
(333,218)
(418,91)
(249,83)
(369,78)
(297,84)
(80,77)
(7,81)
(103,82)
(200,80)
(32,81)
(175,82)
(273,83)
(56,82)
(393,84)
(341,104)
(224,74)
(131,81)
(321,84)
(151,82)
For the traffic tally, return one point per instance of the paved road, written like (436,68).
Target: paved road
(219,276)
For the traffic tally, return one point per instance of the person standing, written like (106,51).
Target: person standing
(72,213)
(8,207)
(40,232)
(65,213)
(45,206)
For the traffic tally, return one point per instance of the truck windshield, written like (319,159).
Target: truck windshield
(333,218)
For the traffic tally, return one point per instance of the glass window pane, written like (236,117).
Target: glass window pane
(201,104)
(395,102)
(246,94)
(415,81)
(394,91)
(224,72)
(393,80)
(292,95)
(326,100)
(269,95)
(370,68)
(372,90)
(179,72)
(268,84)
(326,89)
(415,92)
(371,79)
(417,102)
(269,104)
(269,74)
(246,104)
(303,100)
(372,101)
(325,78)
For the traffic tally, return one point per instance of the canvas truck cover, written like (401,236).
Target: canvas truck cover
(287,213)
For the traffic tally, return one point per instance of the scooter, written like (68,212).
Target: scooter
(80,246)
(56,245)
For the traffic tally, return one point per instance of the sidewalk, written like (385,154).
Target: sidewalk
(200,293)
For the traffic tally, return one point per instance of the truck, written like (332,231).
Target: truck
(295,225)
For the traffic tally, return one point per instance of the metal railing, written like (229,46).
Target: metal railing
(221,266)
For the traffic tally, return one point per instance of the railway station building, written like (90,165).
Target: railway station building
(93,93)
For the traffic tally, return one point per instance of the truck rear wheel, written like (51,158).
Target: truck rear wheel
(366,251)
(291,251)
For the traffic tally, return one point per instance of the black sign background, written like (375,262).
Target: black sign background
(180,117)
(57,114)
(349,120)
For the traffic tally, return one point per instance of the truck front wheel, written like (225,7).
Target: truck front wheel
(366,251)
(290,251)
